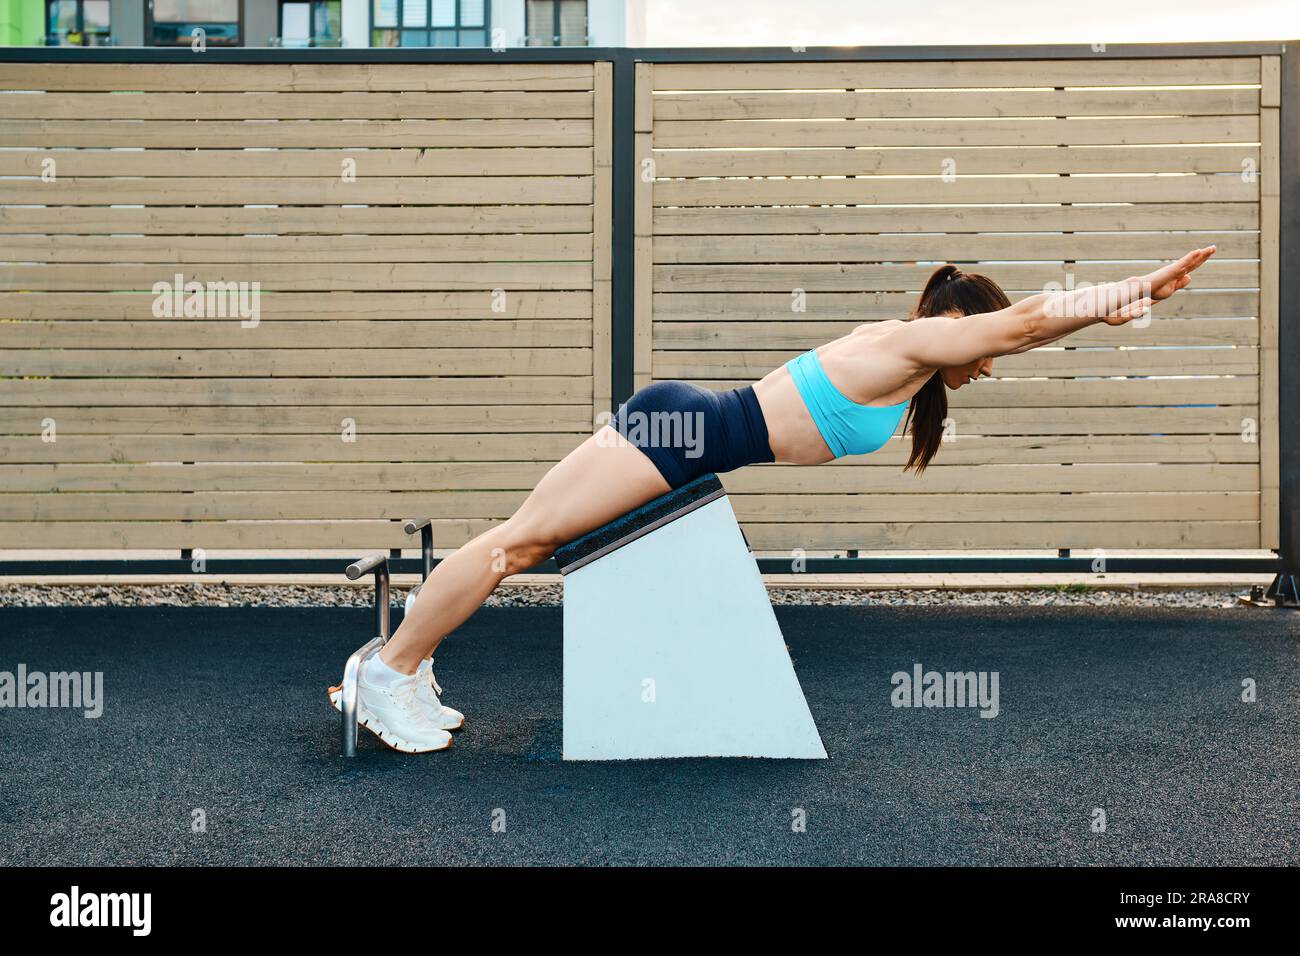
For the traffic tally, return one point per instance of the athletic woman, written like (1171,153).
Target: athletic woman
(843,398)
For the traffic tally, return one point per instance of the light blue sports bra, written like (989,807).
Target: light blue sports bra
(847,427)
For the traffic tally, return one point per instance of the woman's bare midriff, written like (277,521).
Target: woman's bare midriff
(853,367)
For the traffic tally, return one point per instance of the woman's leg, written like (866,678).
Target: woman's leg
(598,481)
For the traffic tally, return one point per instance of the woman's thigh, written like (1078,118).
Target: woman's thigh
(600,480)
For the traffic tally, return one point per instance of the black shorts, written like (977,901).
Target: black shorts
(688,431)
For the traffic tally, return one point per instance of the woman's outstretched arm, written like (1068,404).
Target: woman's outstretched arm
(941,342)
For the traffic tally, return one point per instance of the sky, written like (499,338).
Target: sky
(888,22)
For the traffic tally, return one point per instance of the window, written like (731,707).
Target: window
(76,22)
(557,23)
(311,23)
(173,22)
(429,22)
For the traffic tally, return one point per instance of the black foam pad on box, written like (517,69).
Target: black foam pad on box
(640,521)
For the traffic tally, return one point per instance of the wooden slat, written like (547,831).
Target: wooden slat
(1052,362)
(219,134)
(1002,535)
(869,190)
(1032,277)
(286,448)
(217,334)
(1111,507)
(295,476)
(1083,131)
(234,535)
(941,478)
(378,105)
(1084,394)
(858,307)
(285,249)
(902,219)
(359,504)
(297,419)
(966,161)
(297,77)
(1053,449)
(1164,420)
(1088,71)
(256,363)
(373,190)
(314,306)
(1000,247)
(326,163)
(1214,420)
(800,336)
(800,105)
(415,220)
(321,390)
(298,277)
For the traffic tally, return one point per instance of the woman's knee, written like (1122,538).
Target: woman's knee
(523,545)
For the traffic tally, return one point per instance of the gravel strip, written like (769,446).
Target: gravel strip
(235,595)
(1027,597)
(549,595)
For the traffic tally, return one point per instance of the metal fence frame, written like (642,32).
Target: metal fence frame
(1285,565)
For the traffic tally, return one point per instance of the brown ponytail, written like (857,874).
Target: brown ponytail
(949,290)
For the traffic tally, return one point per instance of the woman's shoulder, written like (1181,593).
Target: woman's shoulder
(879,327)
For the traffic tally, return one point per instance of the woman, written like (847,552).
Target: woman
(846,397)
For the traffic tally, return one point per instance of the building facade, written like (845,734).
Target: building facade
(323,23)
(21,22)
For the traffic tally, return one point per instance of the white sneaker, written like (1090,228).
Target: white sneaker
(427,690)
(395,715)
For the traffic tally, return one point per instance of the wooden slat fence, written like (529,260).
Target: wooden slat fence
(430,248)
(849,183)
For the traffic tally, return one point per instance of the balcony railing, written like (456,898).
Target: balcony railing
(558,40)
(78,39)
(302,43)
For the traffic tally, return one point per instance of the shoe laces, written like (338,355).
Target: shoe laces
(407,700)
(427,667)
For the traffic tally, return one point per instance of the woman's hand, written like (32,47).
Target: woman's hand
(1159,285)
(1165,281)
(1134,310)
